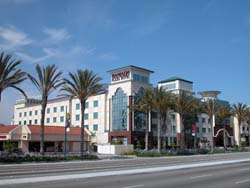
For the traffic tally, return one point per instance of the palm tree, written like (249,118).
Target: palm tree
(195,111)
(224,112)
(144,104)
(10,75)
(183,104)
(82,84)
(48,79)
(239,110)
(210,107)
(248,124)
(162,101)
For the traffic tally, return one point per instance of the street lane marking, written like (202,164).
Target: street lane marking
(134,186)
(243,181)
(243,169)
(114,173)
(201,176)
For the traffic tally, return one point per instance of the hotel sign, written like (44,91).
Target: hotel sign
(119,76)
(3,137)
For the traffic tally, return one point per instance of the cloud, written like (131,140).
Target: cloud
(57,53)
(73,50)
(56,35)
(108,56)
(31,59)
(11,38)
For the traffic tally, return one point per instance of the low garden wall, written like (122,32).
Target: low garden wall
(114,149)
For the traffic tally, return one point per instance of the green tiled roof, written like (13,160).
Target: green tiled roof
(174,79)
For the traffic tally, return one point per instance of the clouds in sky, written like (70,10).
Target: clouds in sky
(14,40)
(11,38)
(56,35)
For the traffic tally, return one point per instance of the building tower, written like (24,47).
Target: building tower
(126,82)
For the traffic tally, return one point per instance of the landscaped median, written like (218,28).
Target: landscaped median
(183,152)
(19,158)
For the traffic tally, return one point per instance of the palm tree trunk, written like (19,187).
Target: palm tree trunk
(82,127)
(224,137)
(239,134)
(212,122)
(146,131)
(158,131)
(182,132)
(212,137)
(44,104)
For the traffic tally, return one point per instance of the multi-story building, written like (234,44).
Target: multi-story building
(108,117)
(28,112)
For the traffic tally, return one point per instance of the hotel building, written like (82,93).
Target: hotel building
(108,118)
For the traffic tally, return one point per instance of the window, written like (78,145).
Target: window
(203,130)
(209,130)
(77,117)
(154,127)
(169,86)
(20,114)
(95,127)
(30,113)
(54,119)
(95,115)
(25,122)
(86,126)
(19,122)
(173,116)
(47,120)
(174,129)
(48,110)
(62,119)
(95,103)
(119,110)
(86,116)
(62,108)
(140,78)
(209,121)
(25,114)
(36,112)
(78,106)
(35,121)
(86,104)
(197,129)
(203,120)
(54,109)
(30,122)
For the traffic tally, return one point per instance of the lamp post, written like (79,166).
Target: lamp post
(66,130)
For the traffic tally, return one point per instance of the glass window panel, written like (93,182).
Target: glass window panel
(119,110)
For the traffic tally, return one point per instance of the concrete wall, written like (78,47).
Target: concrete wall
(114,149)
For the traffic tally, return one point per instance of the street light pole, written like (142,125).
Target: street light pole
(65,143)
(66,130)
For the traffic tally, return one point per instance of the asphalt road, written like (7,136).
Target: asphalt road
(212,171)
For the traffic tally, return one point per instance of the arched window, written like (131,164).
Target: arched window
(119,110)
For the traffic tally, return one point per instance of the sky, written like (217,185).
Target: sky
(204,41)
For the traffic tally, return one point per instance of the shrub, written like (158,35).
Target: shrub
(10,146)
